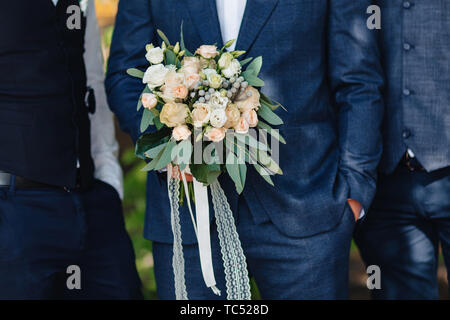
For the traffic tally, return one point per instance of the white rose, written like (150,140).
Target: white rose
(233,69)
(209,72)
(217,101)
(155,75)
(218,118)
(225,60)
(155,55)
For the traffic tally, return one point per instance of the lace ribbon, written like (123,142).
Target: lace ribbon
(235,266)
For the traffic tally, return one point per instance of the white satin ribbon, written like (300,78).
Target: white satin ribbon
(202,230)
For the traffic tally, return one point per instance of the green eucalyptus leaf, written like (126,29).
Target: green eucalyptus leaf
(245,61)
(166,157)
(136,73)
(252,79)
(255,66)
(264,174)
(153,152)
(147,119)
(267,114)
(233,169)
(273,132)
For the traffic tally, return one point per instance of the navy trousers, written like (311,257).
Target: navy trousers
(284,268)
(408,220)
(44,232)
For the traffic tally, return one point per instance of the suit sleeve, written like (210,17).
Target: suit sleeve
(357,81)
(133,30)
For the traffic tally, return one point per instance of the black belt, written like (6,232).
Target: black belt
(24,183)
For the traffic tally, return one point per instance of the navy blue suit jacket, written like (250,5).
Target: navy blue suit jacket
(320,61)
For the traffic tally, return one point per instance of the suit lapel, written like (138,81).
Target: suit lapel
(204,15)
(257,12)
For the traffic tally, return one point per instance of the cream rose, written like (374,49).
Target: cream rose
(174,114)
(251,117)
(233,116)
(225,60)
(155,55)
(218,118)
(245,102)
(207,51)
(233,69)
(149,100)
(171,81)
(242,126)
(201,114)
(155,75)
(181,132)
(216,134)
(191,65)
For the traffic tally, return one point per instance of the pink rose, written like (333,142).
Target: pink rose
(242,126)
(207,51)
(180,92)
(251,117)
(248,100)
(181,132)
(216,134)
(149,100)
(191,80)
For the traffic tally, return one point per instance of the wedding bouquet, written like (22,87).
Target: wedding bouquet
(204,109)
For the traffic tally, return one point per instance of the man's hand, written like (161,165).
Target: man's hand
(356,208)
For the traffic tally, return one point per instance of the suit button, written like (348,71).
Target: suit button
(406,46)
(406,92)
(406,134)
(406,4)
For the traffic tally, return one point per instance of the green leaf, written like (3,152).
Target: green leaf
(170,57)
(184,151)
(264,174)
(267,114)
(245,61)
(255,67)
(251,141)
(233,169)
(153,152)
(274,133)
(163,37)
(243,174)
(253,80)
(147,119)
(205,173)
(150,140)
(158,124)
(266,161)
(136,73)
(166,157)
(151,166)
(183,47)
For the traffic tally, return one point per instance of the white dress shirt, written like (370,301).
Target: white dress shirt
(230,13)
(104,146)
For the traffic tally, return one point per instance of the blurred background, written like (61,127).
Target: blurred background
(134,201)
